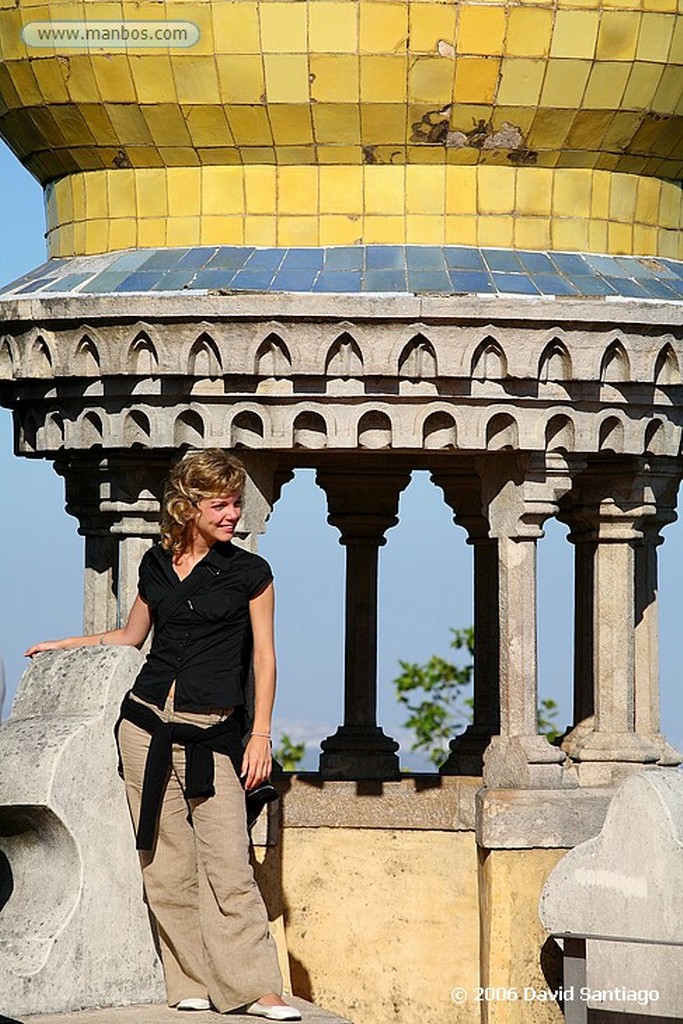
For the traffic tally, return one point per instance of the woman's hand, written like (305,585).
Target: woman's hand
(46,645)
(257,762)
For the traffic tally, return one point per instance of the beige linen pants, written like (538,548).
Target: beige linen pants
(199,883)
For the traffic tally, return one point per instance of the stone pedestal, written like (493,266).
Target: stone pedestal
(362,505)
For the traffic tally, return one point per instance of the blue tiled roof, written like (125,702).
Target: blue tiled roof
(400,269)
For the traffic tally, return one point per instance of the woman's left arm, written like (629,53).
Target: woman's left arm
(257,760)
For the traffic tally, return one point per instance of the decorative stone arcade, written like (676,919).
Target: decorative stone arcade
(521,412)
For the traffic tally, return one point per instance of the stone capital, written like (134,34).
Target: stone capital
(520,491)
(363,503)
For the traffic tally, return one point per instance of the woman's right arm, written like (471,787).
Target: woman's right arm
(133,634)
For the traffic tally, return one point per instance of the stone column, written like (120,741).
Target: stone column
(362,505)
(519,493)
(462,492)
(621,508)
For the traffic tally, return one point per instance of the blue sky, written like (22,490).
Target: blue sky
(425,567)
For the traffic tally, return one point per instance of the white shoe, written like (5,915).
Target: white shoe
(274,1012)
(194,1003)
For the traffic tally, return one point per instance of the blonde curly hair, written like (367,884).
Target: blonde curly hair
(207,474)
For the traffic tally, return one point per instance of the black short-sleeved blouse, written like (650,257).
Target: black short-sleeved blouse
(205,643)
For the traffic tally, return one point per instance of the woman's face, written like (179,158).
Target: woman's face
(216,518)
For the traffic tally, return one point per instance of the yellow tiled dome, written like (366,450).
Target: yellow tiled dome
(317,121)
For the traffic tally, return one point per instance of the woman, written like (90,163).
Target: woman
(211,605)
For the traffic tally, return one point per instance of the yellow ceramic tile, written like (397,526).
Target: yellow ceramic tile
(333,27)
(531,233)
(655,36)
(575,34)
(521,81)
(383,27)
(297,231)
(642,86)
(461,231)
(151,192)
(600,191)
(296,155)
(200,15)
(430,79)
(153,77)
(425,189)
(184,190)
(384,190)
(384,79)
(341,155)
(249,125)
(676,56)
(286,78)
(50,81)
(291,125)
(618,35)
(260,231)
(534,191)
(572,192)
(13,46)
(647,203)
(96,196)
(620,238)
(184,231)
(152,232)
(334,78)
(670,206)
(258,155)
(422,230)
(121,192)
(97,236)
(622,206)
(196,79)
(597,236)
(569,233)
(341,190)
(669,244)
(431,24)
(81,81)
(384,230)
(481,30)
(114,79)
(461,190)
(495,231)
(565,82)
(606,86)
(207,125)
(166,124)
(210,231)
(79,238)
(78,197)
(644,240)
(283,27)
(340,230)
(496,190)
(383,123)
(260,189)
(423,155)
(336,123)
(475,79)
(668,96)
(222,190)
(529,32)
(236,27)
(122,234)
(129,125)
(297,190)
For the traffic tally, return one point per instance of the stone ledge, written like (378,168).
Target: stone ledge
(520,819)
(417,801)
(161,1014)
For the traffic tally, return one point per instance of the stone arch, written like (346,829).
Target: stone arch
(560,433)
(374,430)
(611,435)
(654,441)
(667,367)
(204,359)
(247,430)
(40,361)
(309,430)
(29,430)
(502,432)
(615,367)
(136,429)
(344,358)
(439,431)
(418,359)
(142,358)
(87,358)
(91,432)
(54,431)
(555,362)
(6,360)
(189,430)
(489,361)
(272,357)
